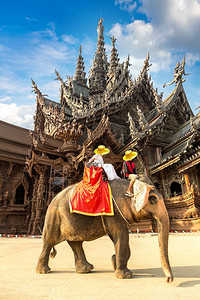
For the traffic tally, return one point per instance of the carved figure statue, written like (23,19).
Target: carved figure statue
(191,213)
(179,71)
(91,106)
(100,28)
(61,225)
(113,40)
(147,65)
(132,127)
(127,63)
(142,121)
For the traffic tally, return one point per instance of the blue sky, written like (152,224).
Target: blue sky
(37,37)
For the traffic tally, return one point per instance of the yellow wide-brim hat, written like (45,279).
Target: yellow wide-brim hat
(129,155)
(101,150)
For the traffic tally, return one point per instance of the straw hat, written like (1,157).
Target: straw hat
(101,150)
(129,155)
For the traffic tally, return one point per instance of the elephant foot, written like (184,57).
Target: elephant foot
(43,269)
(113,259)
(123,274)
(84,267)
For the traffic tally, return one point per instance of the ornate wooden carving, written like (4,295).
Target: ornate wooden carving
(113,110)
(69,133)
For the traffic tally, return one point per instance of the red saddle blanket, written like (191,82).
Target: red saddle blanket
(92,196)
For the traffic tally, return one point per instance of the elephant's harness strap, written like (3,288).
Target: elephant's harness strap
(104,226)
(120,211)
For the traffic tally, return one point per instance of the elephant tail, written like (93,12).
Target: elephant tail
(53,252)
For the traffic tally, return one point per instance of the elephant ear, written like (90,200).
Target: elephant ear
(141,194)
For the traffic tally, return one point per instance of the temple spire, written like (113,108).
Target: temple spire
(80,74)
(99,69)
(114,60)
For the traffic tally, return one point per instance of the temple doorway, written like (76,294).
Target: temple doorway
(175,189)
(19,197)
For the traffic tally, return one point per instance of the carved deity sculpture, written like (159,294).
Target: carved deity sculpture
(100,29)
(179,71)
(147,65)
(142,121)
(132,127)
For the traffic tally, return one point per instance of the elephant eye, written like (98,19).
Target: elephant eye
(153,200)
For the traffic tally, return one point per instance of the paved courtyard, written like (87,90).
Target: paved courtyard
(18,280)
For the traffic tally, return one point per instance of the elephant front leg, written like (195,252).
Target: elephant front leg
(42,266)
(82,265)
(122,254)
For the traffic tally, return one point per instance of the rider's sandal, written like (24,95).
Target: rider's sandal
(129,195)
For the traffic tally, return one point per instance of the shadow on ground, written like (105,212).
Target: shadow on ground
(188,284)
(178,272)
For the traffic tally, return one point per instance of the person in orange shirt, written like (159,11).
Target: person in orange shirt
(128,170)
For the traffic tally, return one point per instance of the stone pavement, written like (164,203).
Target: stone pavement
(18,279)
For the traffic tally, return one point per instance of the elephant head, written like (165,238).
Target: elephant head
(152,206)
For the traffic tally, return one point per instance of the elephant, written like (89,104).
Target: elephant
(61,225)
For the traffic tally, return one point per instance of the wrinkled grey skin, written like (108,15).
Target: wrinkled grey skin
(61,225)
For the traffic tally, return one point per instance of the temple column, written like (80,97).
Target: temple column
(33,206)
(41,170)
(187,182)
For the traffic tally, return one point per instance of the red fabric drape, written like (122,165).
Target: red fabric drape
(93,195)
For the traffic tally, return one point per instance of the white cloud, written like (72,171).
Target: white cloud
(137,39)
(12,84)
(128,5)
(176,22)
(7,98)
(42,52)
(21,115)
(191,59)
(69,39)
(171,30)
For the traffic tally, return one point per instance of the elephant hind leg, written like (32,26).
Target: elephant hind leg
(42,266)
(82,265)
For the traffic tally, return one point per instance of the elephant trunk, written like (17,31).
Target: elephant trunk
(163,236)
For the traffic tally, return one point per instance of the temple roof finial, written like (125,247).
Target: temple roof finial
(100,29)
(114,60)
(113,39)
(99,69)
(80,50)
(80,74)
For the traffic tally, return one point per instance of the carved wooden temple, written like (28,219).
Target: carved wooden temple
(106,108)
